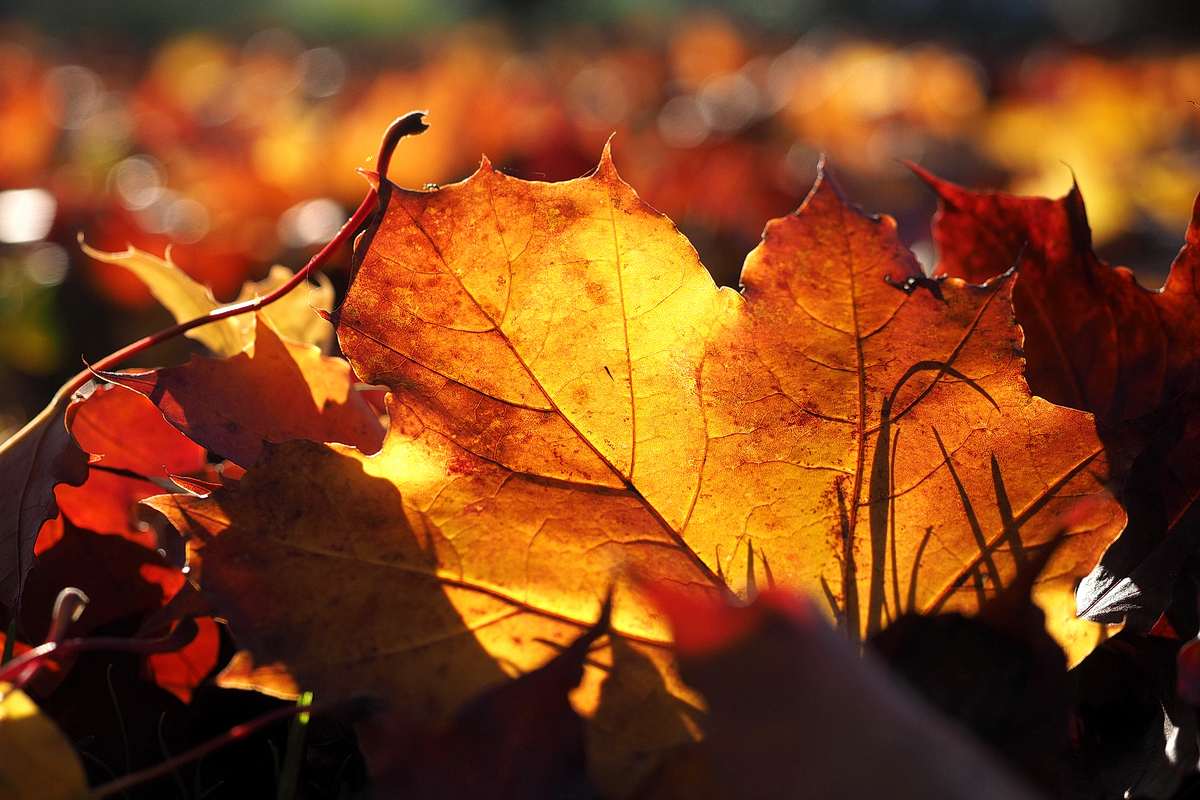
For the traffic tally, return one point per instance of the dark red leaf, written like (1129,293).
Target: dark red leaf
(32,462)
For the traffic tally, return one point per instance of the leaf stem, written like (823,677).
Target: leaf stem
(407,125)
(183,634)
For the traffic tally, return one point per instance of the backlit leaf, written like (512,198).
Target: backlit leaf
(575,335)
(32,462)
(1097,341)
(187,299)
(137,451)
(36,760)
(575,403)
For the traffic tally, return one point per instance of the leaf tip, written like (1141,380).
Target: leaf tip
(371,177)
(606,168)
(825,191)
(946,191)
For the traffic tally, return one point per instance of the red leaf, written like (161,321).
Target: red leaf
(1094,339)
(180,672)
(32,462)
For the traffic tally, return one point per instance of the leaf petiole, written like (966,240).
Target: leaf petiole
(407,125)
(19,669)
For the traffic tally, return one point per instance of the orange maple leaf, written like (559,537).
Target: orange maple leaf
(575,403)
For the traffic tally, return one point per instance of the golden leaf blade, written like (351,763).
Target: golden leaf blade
(453,572)
(36,760)
(853,423)
(576,403)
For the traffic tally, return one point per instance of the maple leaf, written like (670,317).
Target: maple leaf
(186,299)
(274,391)
(575,335)
(575,402)
(134,452)
(1097,341)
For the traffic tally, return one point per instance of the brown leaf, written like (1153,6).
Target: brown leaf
(1011,692)
(279,390)
(40,456)
(520,740)
(1134,582)
(1134,735)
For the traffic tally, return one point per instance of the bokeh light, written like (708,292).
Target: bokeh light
(236,143)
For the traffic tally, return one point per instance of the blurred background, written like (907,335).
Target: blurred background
(230,131)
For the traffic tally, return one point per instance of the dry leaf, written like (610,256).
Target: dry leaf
(39,457)
(575,402)
(574,335)
(187,299)
(1095,339)
(130,438)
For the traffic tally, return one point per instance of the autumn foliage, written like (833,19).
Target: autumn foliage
(619,532)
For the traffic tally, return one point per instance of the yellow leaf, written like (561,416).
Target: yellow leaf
(36,760)
(187,299)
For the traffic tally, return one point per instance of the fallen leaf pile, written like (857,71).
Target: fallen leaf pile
(545,553)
